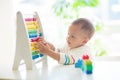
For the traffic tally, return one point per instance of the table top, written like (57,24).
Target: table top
(102,70)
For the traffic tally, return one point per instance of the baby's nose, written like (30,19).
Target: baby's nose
(68,38)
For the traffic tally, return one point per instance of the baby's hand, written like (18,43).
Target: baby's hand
(51,46)
(42,47)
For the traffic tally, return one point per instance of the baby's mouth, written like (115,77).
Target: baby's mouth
(69,43)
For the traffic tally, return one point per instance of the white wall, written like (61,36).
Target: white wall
(6,33)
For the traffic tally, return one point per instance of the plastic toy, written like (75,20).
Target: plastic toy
(85,64)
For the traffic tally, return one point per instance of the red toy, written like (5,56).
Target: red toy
(85,57)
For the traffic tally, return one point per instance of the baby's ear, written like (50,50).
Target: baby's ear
(85,40)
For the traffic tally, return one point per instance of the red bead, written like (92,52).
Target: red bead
(35,39)
(84,57)
(34,19)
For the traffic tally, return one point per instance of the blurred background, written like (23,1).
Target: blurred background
(56,16)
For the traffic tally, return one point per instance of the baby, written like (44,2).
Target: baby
(79,33)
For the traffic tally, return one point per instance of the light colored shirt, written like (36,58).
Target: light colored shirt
(71,56)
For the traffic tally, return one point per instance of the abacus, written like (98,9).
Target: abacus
(29,31)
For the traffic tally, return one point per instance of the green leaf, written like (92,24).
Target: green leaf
(98,27)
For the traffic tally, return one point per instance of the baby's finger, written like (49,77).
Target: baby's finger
(38,51)
(41,44)
(37,45)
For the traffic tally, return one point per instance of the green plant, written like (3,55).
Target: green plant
(68,9)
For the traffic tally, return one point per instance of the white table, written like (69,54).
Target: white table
(102,70)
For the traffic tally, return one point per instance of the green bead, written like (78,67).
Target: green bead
(32,31)
(89,68)
(88,62)
(34,53)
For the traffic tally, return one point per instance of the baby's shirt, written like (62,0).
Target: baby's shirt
(71,56)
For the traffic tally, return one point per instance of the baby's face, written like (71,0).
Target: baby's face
(75,37)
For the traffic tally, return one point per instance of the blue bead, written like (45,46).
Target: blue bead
(89,72)
(32,35)
(41,55)
(40,34)
(35,56)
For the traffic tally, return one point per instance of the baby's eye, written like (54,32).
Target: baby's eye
(72,36)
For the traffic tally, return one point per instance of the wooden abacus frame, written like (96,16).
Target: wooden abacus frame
(22,51)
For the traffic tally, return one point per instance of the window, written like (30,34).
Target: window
(114,9)
(111,19)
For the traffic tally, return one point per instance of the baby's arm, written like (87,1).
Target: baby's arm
(47,49)
(62,58)
(51,46)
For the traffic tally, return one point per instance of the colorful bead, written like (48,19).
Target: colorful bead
(32,35)
(30,19)
(41,55)
(36,39)
(35,56)
(85,57)
(34,52)
(32,31)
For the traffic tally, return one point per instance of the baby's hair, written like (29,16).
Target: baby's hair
(85,25)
